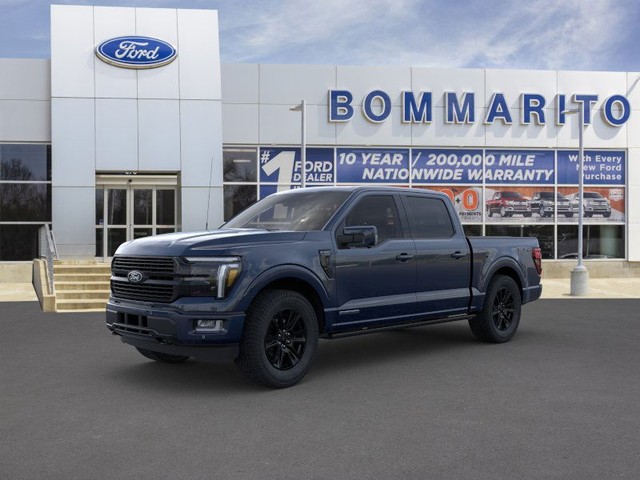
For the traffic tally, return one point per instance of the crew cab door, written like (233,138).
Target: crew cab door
(443,257)
(377,282)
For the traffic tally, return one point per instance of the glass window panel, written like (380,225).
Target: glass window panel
(25,162)
(472,230)
(99,242)
(115,238)
(510,204)
(165,207)
(100,206)
(160,231)
(379,211)
(239,164)
(428,218)
(467,200)
(142,207)
(237,198)
(117,206)
(599,241)
(25,202)
(18,242)
(601,205)
(544,234)
(142,232)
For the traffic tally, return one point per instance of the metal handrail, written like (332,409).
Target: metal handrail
(50,252)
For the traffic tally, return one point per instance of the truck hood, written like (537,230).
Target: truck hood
(214,242)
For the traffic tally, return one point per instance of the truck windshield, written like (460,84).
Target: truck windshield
(511,195)
(299,210)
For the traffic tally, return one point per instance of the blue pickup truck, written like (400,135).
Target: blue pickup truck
(316,262)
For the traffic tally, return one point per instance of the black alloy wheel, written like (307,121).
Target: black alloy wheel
(279,339)
(500,316)
(503,309)
(286,339)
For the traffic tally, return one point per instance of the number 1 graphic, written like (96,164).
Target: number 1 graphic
(283,163)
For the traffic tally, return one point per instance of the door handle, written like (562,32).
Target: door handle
(458,254)
(403,257)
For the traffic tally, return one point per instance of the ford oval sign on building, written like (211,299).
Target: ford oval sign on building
(136,52)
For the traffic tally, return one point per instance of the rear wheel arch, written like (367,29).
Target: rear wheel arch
(509,269)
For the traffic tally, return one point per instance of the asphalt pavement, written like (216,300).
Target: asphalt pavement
(560,401)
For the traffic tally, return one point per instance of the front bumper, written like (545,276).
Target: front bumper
(168,330)
(597,209)
(517,208)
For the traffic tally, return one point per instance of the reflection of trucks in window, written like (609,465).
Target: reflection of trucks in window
(594,204)
(543,203)
(316,262)
(507,204)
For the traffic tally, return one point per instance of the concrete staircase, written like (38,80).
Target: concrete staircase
(81,286)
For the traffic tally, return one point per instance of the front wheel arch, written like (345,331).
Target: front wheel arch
(302,287)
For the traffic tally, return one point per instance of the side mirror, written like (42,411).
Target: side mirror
(359,236)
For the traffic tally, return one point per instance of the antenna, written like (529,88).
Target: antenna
(206,222)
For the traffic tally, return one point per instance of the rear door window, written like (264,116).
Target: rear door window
(428,218)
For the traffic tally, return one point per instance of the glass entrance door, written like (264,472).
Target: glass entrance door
(130,211)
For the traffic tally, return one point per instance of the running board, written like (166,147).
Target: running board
(421,323)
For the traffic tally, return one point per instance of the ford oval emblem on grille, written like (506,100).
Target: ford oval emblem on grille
(134,276)
(136,52)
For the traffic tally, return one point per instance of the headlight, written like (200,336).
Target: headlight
(510,202)
(213,276)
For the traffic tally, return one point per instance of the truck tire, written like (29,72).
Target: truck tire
(500,316)
(279,340)
(161,357)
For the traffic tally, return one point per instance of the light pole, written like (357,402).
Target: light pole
(302,107)
(580,274)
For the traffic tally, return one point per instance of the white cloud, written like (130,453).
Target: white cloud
(547,34)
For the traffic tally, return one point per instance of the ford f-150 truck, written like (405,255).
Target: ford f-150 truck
(316,262)
(507,204)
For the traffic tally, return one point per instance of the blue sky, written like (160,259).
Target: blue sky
(533,34)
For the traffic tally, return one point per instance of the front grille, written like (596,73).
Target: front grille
(160,265)
(159,286)
(146,292)
(129,322)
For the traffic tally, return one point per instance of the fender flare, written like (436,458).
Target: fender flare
(499,263)
(280,272)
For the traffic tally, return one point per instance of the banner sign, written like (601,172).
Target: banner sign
(446,166)
(367,165)
(283,166)
(519,167)
(601,167)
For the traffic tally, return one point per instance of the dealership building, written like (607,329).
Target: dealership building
(134,128)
